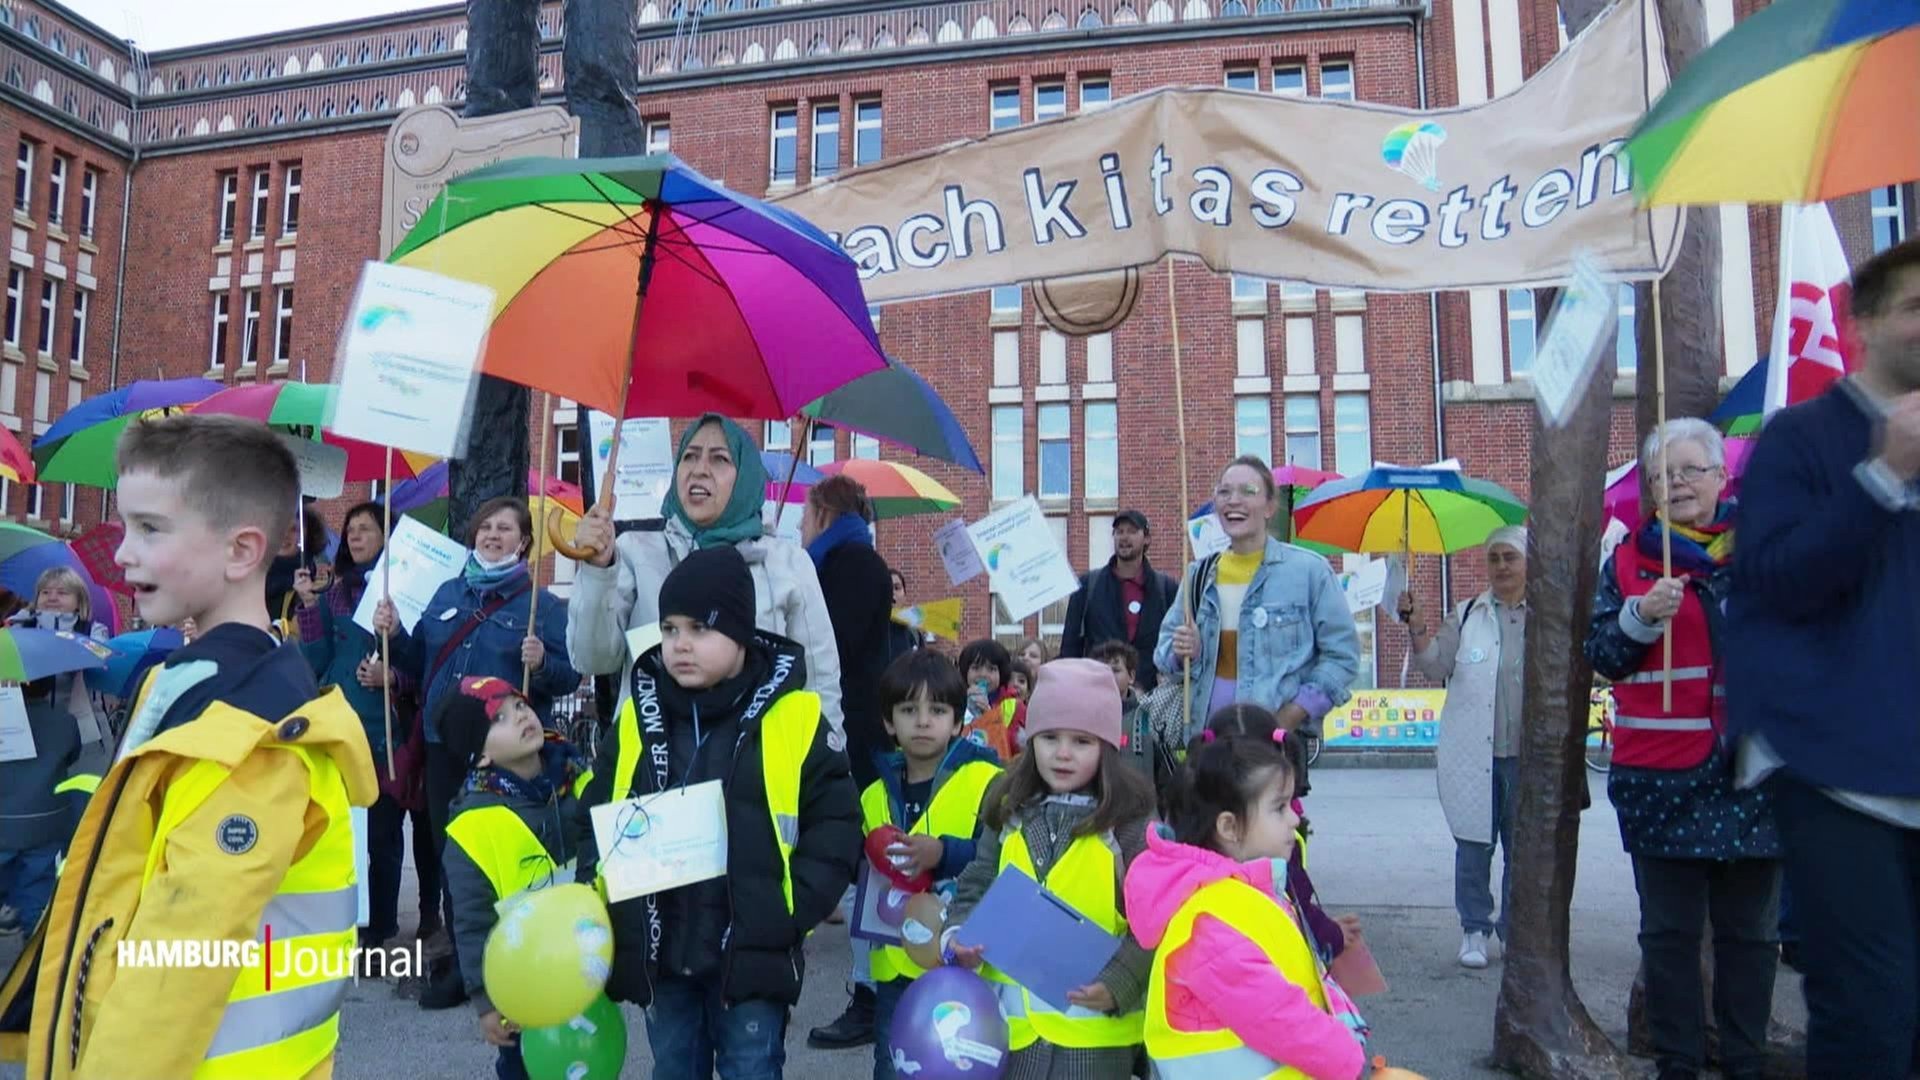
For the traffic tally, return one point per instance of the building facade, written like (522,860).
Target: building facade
(205,211)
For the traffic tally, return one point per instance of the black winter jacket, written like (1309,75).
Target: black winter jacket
(858,589)
(735,930)
(1094,617)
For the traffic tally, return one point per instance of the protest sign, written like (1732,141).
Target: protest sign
(16,732)
(957,552)
(644,471)
(1569,351)
(323,468)
(409,360)
(422,560)
(1023,558)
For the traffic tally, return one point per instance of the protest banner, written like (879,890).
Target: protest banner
(1023,558)
(415,563)
(409,360)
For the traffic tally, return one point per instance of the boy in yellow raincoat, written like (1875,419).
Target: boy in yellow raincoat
(204,922)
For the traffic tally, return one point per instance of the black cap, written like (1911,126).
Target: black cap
(1131,517)
(712,586)
(466,715)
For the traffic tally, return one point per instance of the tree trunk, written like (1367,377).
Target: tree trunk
(602,64)
(503,74)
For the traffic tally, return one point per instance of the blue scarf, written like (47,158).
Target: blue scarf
(846,529)
(483,580)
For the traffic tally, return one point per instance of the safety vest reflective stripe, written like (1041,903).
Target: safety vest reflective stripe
(1658,675)
(952,812)
(1234,1063)
(86,782)
(300,914)
(262,1021)
(1664,723)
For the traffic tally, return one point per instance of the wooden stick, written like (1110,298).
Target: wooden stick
(533,551)
(1186,534)
(386,594)
(1666,531)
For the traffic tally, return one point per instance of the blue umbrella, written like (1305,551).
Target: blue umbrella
(779,461)
(27,653)
(132,655)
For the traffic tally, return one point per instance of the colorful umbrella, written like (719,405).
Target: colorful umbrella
(307,405)
(661,292)
(15,463)
(133,654)
(1623,484)
(779,462)
(424,498)
(896,405)
(26,553)
(896,490)
(1744,407)
(97,548)
(78,448)
(27,653)
(1424,511)
(1803,101)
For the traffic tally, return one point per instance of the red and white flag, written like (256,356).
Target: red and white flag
(1811,331)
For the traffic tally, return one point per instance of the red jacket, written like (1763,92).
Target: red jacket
(1646,735)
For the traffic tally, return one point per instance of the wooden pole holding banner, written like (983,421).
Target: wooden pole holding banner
(533,549)
(1186,534)
(1666,531)
(386,595)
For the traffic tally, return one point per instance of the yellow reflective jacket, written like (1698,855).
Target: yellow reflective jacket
(204,833)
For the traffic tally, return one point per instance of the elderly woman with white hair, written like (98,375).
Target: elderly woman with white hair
(1479,651)
(1700,847)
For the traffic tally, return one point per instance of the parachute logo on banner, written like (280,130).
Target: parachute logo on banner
(1414,148)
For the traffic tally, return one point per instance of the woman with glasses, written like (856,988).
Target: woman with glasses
(1700,847)
(1262,623)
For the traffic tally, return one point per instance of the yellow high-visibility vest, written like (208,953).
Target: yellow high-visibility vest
(952,812)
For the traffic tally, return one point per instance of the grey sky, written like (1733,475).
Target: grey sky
(170,24)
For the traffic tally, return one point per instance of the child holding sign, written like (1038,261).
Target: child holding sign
(717,962)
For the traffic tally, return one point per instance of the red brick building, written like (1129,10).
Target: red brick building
(214,204)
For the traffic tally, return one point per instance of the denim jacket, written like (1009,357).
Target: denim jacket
(1297,638)
(493,648)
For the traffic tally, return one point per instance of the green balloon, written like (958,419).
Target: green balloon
(591,1046)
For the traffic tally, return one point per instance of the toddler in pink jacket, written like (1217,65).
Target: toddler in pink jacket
(1235,967)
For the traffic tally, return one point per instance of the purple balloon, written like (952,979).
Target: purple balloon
(948,1026)
(893,906)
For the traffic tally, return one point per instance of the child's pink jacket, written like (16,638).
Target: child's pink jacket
(1219,978)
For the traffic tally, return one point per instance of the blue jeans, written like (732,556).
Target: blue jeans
(886,998)
(1473,862)
(509,1065)
(27,880)
(693,1033)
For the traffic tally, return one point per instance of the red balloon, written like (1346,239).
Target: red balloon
(878,841)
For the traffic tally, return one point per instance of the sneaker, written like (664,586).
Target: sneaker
(444,991)
(853,1028)
(1473,951)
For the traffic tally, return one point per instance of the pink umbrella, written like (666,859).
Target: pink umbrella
(1623,483)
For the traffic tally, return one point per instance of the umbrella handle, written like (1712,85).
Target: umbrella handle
(556,518)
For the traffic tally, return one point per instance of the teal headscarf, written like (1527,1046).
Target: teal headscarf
(740,518)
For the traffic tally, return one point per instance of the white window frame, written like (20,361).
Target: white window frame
(77,339)
(1041,109)
(229,206)
(1348,428)
(283,325)
(1003,107)
(1250,348)
(67,501)
(1295,411)
(1100,358)
(1005,300)
(1052,428)
(89,200)
(222,322)
(1889,204)
(16,305)
(1008,452)
(290,204)
(1053,617)
(1100,452)
(826,124)
(864,447)
(1339,73)
(868,116)
(1253,426)
(36,501)
(1053,358)
(1522,334)
(1246,289)
(660,136)
(1006,358)
(1295,72)
(1349,343)
(23,179)
(1626,346)
(822,447)
(49,308)
(257,206)
(1302,357)
(1102,91)
(1251,74)
(775,136)
(57,169)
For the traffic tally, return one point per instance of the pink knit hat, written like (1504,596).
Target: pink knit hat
(1075,695)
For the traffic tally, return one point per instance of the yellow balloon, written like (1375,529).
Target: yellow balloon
(549,955)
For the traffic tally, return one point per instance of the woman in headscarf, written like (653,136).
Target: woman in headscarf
(719,489)
(1699,843)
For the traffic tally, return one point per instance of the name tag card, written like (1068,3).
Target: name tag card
(662,841)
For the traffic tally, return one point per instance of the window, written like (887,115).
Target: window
(1006,358)
(1005,111)
(1889,216)
(89,199)
(250,329)
(1250,348)
(1056,453)
(290,206)
(866,132)
(1349,343)
(1290,80)
(778,436)
(659,136)
(1626,346)
(1520,331)
(866,447)
(1009,453)
(23,179)
(49,303)
(283,327)
(1253,427)
(1352,435)
(1100,358)
(1006,300)
(16,296)
(784,153)
(1095,94)
(1053,617)
(1053,358)
(1303,431)
(257,216)
(229,198)
(77,343)
(1243,79)
(1102,439)
(218,357)
(1336,81)
(820,445)
(1249,289)
(36,499)
(66,502)
(826,141)
(1049,101)
(56,189)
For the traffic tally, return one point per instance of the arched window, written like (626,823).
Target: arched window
(68,105)
(246,72)
(277,117)
(439,44)
(226,75)
(340,57)
(364,55)
(33,27)
(1233,7)
(200,79)
(1090,19)
(353,105)
(819,47)
(1053,21)
(180,82)
(326,109)
(301,114)
(413,46)
(386,50)
(1019,24)
(58,43)
(379,101)
(883,39)
(1124,15)
(253,119)
(82,57)
(267,70)
(180,129)
(93,116)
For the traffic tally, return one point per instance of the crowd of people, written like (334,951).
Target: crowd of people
(1150,777)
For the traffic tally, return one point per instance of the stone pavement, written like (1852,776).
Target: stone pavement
(1380,849)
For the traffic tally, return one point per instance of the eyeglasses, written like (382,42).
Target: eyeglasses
(1248,492)
(1690,474)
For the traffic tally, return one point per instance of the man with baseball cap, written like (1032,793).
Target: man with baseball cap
(1124,600)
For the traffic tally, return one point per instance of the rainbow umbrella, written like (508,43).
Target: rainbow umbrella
(78,448)
(896,405)
(639,287)
(896,490)
(28,653)
(1805,100)
(15,463)
(305,407)
(1410,511)
(424,498)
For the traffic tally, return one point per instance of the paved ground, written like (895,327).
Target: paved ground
(1381,849)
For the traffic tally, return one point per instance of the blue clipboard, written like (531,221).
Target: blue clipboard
(1037,939)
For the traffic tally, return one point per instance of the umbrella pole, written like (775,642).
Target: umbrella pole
(1186,534)
(533,552)
(1666,529)
(793,469)
(386,593)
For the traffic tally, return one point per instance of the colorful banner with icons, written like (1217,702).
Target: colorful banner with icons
(1402,719)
